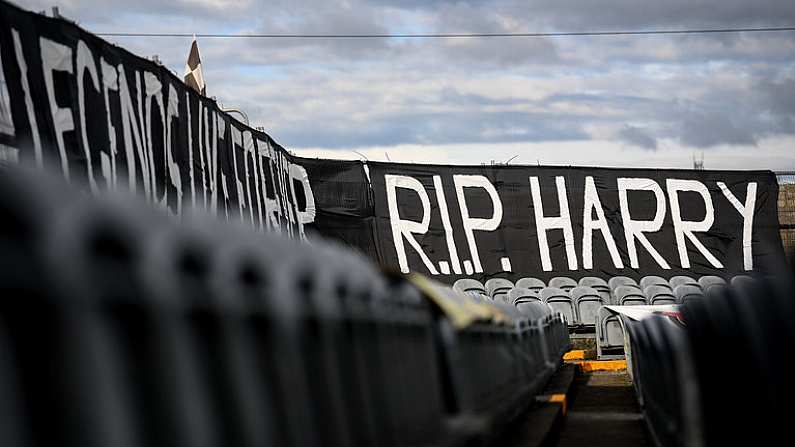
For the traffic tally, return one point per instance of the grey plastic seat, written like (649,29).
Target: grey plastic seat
(618,281)
(659,295)
(743,280)
(587,301)
(710,281)
(563,283)
(534,310)
(687,292)
(522,295)
(467,285)
(533,284)
(497,288)
(560,301)
(609,332)
(478,297)
(681,280)
(629,296)
(598,284)
(653,280)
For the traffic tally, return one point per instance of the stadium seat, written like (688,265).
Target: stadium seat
(708,282)
(609,334)
(743,280)
(466,285)
(534,309)
(687,292)
(478,297)
(598,284)
(560,301)
(659,295)
(521,295)
(653,280)
(587,301)
(618,281)
(677,281)
(629,296)
(122,324)
(533,284)
(497,288)
(562,282)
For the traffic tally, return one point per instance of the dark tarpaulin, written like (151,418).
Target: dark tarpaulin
(512,248)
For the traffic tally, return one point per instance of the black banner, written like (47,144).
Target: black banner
(75,104)
(514,221)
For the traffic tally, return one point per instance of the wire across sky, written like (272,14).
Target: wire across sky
(454,35)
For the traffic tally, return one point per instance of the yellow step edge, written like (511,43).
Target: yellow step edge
(602,365)
(575,354)
(555,398)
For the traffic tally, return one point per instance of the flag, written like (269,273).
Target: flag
(194,78)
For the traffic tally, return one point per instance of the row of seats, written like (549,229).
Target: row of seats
(719,377)
(618,290)
(120,327)
(577,306)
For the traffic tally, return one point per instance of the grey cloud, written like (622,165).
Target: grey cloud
(429,128)
(637,137)
(710,129)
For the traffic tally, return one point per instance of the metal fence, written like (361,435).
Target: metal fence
(786,209)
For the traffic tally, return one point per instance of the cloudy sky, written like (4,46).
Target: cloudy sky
(650,101)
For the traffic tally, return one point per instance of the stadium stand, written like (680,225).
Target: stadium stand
(656,294)
(629,296)
(683,372)
(120,327)
(533,284)
(560,301)
(563,283)
(497,289)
